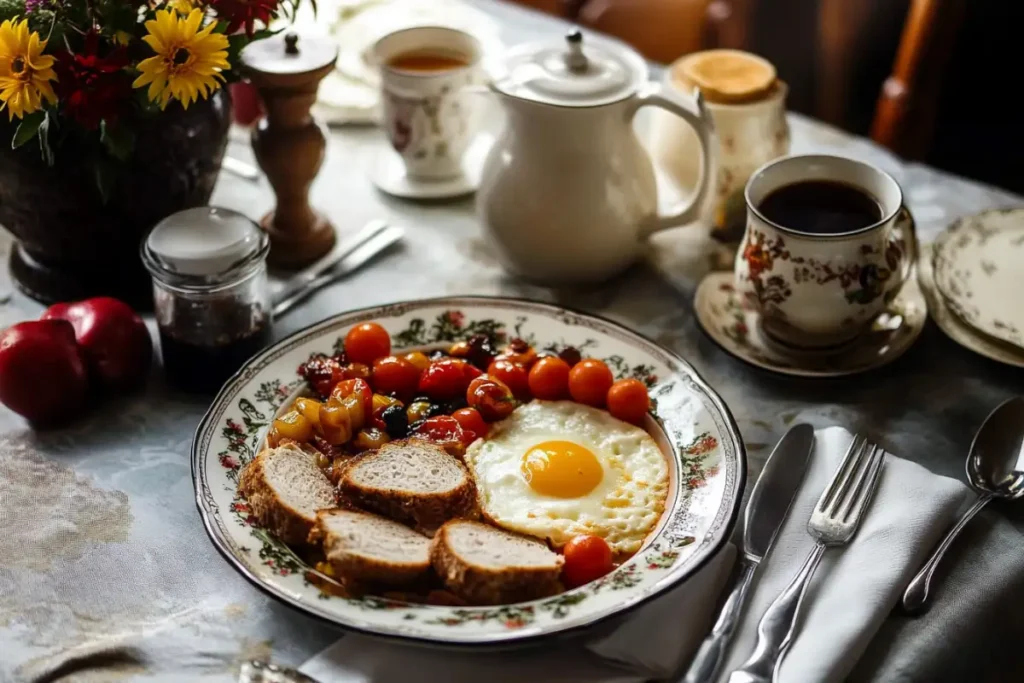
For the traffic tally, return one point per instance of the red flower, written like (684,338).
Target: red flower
(228,462)
(514,623)
(239,13)
(456,318)
(92,87)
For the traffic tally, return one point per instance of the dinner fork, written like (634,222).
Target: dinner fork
(833,522)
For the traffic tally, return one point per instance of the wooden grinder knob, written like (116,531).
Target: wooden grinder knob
(289,144)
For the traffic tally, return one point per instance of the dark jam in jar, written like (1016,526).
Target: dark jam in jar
(203,368)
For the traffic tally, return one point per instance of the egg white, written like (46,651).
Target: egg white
(622,509)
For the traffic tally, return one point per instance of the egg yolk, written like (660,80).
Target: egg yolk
(561,469)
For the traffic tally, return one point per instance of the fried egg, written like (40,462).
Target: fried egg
(558,469)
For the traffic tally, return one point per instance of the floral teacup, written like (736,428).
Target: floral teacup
(816,290)
(430,116)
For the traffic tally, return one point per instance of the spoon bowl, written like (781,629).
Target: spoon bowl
(995,469)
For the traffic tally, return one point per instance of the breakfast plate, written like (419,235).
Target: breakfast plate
(977,269)
(696,434)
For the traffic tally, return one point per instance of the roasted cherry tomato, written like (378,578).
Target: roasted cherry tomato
(586,558)
(335,422)
(447,379)
(419,359)
(355,387)
(440,429)
(472,421)
(512,374)
(520,352)
(310,409)
(628,400)
(294,425)
(357,371)
(367,342)
(394,375)
(324,372)
(589,382)
(491,397)
(549,379)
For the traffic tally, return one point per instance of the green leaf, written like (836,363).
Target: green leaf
(118,140)
(28,128)
(44,139)
(105,175)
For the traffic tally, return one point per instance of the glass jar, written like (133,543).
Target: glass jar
(211,294)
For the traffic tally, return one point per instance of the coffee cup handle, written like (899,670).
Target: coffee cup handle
(695,114)
(904,231)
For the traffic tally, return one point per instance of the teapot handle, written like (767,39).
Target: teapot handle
(655,95)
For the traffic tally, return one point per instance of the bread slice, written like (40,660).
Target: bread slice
(364,547)
(285,489)
(411,481)
(489,566)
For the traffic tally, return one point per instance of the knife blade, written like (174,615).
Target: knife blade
(767,508)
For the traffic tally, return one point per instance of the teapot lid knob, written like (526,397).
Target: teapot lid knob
(575,60)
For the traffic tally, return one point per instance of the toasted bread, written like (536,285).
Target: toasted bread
(364,547)
(488,566)
(412,481)
(285,489)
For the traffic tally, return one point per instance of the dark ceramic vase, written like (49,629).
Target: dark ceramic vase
(73,245)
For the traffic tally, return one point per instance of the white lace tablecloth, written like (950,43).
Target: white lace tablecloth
(102,551)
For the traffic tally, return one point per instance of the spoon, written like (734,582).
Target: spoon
(995,469)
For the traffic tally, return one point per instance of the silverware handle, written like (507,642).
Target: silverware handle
(915,598)
(709,657)
(777,626)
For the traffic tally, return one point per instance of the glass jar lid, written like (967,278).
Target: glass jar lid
(203,247)
(571,73)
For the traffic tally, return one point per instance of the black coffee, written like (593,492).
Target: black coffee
(821,207)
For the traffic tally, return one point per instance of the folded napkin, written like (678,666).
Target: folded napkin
(853,591)
(854,588)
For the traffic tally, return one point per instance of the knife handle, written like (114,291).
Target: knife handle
(712,651)
(777,626)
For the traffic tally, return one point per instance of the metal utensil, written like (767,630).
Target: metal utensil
(833,522)
(240,168)
(255,671)
(767,508)
(368,242)
(995,469)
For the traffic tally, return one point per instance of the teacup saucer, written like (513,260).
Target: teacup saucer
(736,328)
(388,174)
(956,329)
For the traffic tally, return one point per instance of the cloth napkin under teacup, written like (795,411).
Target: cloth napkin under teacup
(853,591)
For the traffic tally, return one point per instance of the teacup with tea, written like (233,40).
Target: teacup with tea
(828,243)
(428,115)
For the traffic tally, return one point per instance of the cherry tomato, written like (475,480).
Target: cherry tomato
(586,558)
(351,387)
(589,382)
(367,342)
(419,359)
(440,429)
(472,421)
(394,375)
(628,400)
(515,376)
(357,371)
(491,397)
(518,351)
(549,379)
(323,372)
(447,379)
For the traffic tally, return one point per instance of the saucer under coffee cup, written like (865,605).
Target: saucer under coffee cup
(828,244)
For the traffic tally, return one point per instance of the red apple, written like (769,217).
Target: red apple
(114,340)
(42,373)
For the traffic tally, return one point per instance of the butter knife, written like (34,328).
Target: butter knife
(766,511)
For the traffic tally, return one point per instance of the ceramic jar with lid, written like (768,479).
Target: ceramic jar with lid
(747,103)
(568,192)
(211,294)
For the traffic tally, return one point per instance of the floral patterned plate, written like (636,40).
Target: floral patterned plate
(734,326)
(977,265)
(694,428)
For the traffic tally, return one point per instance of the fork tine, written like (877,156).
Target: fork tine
(866,489)
(838,484)
(853,492)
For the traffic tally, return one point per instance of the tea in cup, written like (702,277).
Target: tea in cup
(828,244)
(429,117)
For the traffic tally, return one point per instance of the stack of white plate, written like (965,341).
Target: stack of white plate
(973,278)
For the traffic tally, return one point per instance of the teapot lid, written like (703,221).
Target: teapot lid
(571,74)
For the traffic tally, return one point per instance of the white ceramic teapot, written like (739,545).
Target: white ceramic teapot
(568,192)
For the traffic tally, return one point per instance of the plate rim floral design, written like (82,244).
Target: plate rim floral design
(708,322)
(950,280)
(664,561)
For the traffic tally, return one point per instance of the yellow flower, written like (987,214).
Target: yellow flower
(122,37)
(184,6)
(188,61)
(25,72)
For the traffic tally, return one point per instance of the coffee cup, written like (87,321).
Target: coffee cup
(828,244)
(429,115)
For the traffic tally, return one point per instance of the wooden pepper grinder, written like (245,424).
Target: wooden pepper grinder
(289,143)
